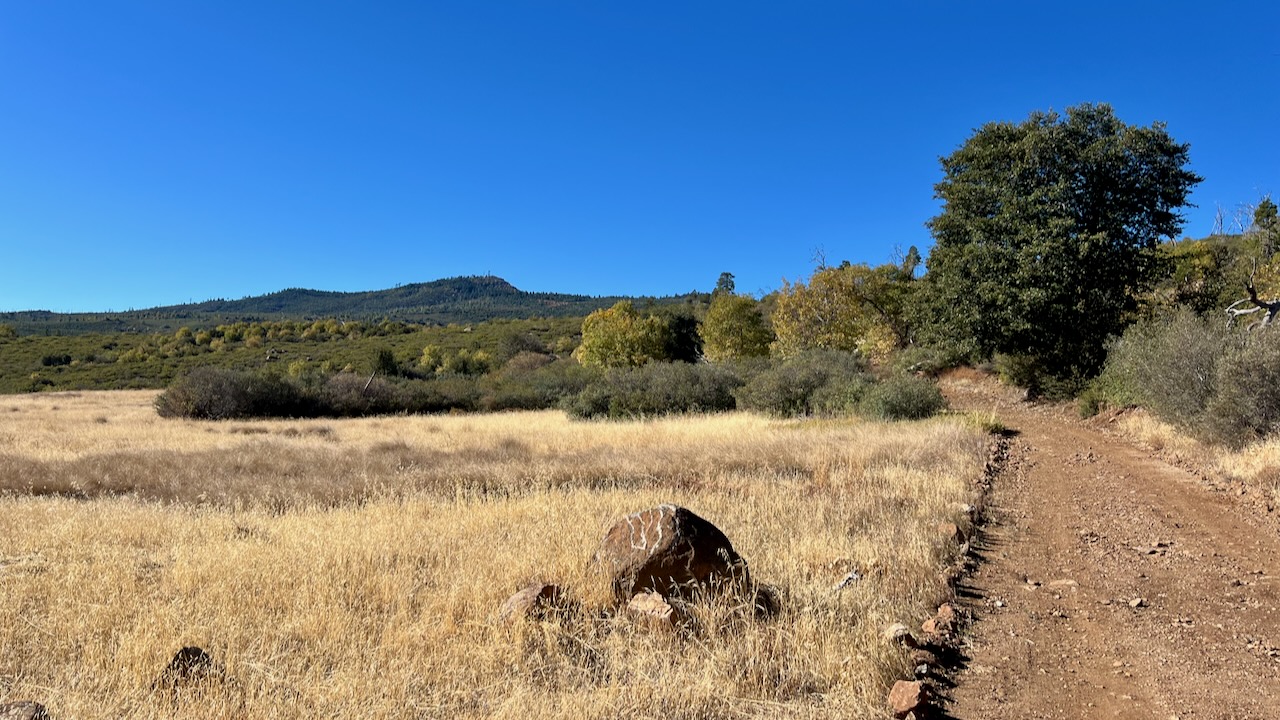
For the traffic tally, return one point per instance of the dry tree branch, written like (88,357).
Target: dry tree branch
(1272,307)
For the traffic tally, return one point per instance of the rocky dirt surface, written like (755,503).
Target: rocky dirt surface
(1112,584)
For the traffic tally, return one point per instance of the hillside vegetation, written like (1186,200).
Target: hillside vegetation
(441,302)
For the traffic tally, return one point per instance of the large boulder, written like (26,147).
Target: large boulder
(670,551)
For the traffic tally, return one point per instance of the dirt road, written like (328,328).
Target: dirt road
(1113,585)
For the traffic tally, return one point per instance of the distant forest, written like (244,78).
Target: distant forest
(454,300)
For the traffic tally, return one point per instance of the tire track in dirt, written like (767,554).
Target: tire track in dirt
(1113,585)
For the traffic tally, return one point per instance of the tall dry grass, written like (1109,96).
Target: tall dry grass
(354,567)
(1256,465)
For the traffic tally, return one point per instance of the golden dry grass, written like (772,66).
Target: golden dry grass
(353,568)
(1257,465)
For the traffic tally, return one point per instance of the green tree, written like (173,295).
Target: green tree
(384,363)
(724,285)
(621,337)
(683,342)
(734,328)
(1049,229)
(1267,224)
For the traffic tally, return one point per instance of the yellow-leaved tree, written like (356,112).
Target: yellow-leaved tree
(855,308)
(621,337)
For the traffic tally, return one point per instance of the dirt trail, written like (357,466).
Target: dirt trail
(1113,585)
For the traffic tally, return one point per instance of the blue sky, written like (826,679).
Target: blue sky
(163,152)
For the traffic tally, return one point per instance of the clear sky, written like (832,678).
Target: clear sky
(166,151)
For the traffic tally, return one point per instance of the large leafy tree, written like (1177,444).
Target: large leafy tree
(851,307)
(1049,229)
(621,337)
(735,328)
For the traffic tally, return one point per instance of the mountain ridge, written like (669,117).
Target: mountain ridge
(462,299)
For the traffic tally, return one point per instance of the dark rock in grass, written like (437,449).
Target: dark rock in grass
(190,667)
(668,550)
(767,602)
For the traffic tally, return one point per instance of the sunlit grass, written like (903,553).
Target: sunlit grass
(354,567)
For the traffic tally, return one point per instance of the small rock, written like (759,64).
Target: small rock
(1138,602)
(951,533)
(23,710)
(190,666)
(942,624)
(923,656)
(922,670)
(653,609)
(907,697)
(534,602)
(767,602)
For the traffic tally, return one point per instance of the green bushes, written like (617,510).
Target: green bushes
(1219,384)
(825,383)
(903,397)
(210,393)
(656,389)
(1168,365)
(1246,404)
(815,381)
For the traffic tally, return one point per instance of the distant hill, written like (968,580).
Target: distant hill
(454,300)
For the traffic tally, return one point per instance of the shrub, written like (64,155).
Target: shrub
(443,393)
(348,395)
(928,359)
(1246,404)
(1168,365)
(533,382)
(840,397)
(788,388)
(657,389)
(903,397)
(209,393)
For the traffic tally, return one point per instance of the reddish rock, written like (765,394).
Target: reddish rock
(944,623)
(653,609)
(668,550)
(951,533)
(24,710)
(907,697)
(534,602)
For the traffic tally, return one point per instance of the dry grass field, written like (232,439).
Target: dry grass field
(353,568)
